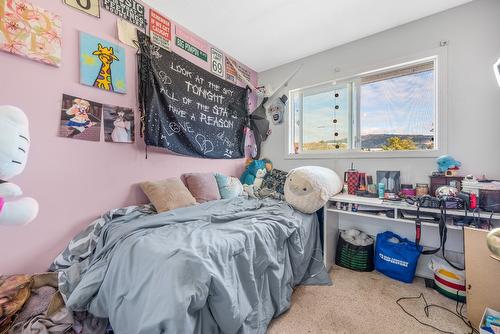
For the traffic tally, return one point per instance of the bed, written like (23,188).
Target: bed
(226,266)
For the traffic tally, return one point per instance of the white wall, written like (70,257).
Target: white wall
(473,33)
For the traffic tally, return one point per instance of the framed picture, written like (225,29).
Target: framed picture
(102,64)
(31,32)
(390,179)
(80,118)
(90,7)
(118,124)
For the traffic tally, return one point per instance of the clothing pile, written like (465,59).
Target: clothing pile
(33,304)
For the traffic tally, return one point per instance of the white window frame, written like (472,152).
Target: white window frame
(439,56)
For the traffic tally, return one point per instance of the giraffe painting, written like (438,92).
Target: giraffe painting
(102,64)
(106,56)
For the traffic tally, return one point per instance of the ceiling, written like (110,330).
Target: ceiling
(267,33)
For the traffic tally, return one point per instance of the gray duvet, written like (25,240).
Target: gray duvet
(225,266)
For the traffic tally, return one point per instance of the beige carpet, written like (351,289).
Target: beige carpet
(364,303)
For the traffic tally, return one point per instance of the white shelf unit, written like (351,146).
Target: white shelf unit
(336,220)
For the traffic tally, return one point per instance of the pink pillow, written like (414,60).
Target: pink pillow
(202,186)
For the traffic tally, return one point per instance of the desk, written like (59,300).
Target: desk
(336,219)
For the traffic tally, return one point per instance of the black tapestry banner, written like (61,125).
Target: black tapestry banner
(187,109)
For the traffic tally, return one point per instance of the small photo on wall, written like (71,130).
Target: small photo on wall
(102,64)
(80,118)
(118,124)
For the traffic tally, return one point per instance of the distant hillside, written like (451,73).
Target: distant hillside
(370,142)
(377,140)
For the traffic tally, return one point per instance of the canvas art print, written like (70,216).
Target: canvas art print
(30,31)
(80,118)
(102,64)
(118,124)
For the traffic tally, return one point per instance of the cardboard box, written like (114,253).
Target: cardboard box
(487,312)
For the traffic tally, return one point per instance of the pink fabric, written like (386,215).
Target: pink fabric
(2,202)
(202,186)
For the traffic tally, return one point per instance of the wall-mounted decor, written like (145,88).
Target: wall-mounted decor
(118,124)
(129,10)
(231,74)
(187,109)
(102,64)
(217,65)
(80,118)
(90,7)
(127,32)
(30,31)
(191,43)
(160,30)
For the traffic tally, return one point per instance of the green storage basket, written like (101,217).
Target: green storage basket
(354,257)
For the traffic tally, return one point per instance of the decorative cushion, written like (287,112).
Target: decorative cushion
(275,180)
(229,187)
(308,188)
(202,186)
(168,194)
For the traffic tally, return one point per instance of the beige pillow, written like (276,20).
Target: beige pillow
(168,194)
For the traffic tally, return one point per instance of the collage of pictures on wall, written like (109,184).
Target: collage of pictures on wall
(103,63)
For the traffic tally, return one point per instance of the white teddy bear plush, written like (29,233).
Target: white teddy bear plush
(308,188)
(14,147)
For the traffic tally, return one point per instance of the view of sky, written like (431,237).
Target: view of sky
(319,114)
(402,105)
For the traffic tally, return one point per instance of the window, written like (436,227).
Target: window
(392,109)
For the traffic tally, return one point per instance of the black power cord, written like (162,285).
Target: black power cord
(458,313)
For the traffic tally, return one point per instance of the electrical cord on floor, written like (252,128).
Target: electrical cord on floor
(458,313)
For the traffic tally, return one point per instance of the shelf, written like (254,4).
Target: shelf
(399,220)
(402,205)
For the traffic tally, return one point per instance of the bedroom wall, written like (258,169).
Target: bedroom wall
(74,180)
(473,94)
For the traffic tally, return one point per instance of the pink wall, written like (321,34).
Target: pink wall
(74,180)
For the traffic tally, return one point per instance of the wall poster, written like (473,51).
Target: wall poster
(118,124)
(102,64)
(90,7)
(30,31)
(130,10)
(160,30)
(187,109)
(217,62)
(80,118)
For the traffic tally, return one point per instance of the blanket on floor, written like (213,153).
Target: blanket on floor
(225,266)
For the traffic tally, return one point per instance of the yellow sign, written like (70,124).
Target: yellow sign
(87,6)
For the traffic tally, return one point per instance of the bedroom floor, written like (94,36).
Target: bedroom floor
(364,303)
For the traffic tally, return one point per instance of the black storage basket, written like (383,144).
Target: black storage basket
(359,258)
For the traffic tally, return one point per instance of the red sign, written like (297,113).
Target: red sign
(160,29)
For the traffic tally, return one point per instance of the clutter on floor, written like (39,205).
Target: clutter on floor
(360,302)
(32,304)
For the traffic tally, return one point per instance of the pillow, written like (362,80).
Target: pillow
(168,194)
(229,187)
(275,180)
(203,186)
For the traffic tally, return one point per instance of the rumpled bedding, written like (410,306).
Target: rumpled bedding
(225,266)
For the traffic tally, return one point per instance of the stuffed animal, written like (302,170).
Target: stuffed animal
(14,147)
(446,162)
(308,188)
(252,177)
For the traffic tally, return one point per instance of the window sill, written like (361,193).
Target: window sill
(366,155)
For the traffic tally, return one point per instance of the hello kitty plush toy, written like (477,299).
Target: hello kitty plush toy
(14,147)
